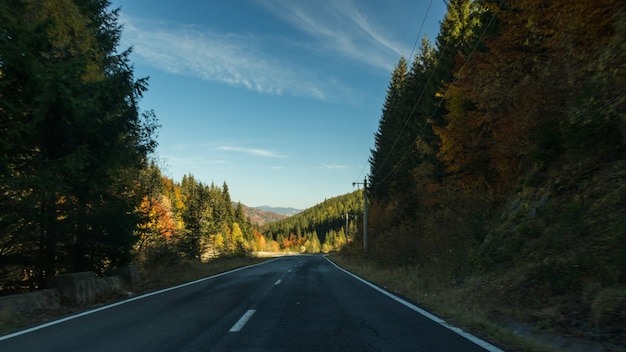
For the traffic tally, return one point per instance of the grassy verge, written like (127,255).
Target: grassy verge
(444,300)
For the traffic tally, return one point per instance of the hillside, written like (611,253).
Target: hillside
(279,210)
(497,173)
(261,217)
(554,253)
(323,224)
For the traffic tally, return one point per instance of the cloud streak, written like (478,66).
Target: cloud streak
(251,151)
(334,29)
(335,166)
(233,59)
(340,27)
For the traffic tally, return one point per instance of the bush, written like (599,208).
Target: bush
(161,254)
(608,309)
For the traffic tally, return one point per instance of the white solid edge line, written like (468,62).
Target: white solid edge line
(482,343)
(59,321)
(242,321)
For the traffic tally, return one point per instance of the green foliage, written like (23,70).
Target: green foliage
(618,242)
(191,220)
(212,226)
(609,307)
(387,154)
(161,254)
(324,223)
(73,140)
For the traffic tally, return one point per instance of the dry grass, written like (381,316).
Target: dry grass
(163,276)
(453,304)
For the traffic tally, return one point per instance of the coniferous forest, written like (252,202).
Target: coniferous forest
(499,162)
(72,141)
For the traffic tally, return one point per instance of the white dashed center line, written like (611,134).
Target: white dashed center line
(244,318)
(242,321)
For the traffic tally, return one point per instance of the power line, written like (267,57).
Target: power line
(440,100)
(441,52)
(412,111)
(417,38)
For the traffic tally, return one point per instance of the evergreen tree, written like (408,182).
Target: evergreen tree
(73,140)
(241,219)
(227,213)
(198,216)
(457,36)
(386,153)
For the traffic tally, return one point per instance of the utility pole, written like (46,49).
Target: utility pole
(365,215)
(364,212)
(347,224)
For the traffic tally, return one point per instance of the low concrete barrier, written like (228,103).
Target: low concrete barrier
(13,305)
(129,273)
(70,290)
(84,288)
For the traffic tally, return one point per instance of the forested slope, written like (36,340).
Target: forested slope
(500,159)
(324,227)
(260,217)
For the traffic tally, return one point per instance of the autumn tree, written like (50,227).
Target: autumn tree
(260,243)
(161,227)
(517,101)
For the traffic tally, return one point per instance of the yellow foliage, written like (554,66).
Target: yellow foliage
(218,241)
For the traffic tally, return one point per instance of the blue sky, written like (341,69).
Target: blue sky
(280,99)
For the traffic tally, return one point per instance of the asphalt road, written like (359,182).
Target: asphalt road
(296,303)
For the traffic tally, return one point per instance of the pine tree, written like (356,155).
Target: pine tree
(386,153)
(198,216)
(244,223)
(73,139)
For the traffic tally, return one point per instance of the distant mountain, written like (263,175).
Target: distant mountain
(262,217)
(283,211)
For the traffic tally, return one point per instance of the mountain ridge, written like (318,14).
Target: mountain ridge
(266,214)
(279,210)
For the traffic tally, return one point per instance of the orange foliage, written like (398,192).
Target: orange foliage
(259,240)
(158,217)
(524,79)
(293,241)
(290,241)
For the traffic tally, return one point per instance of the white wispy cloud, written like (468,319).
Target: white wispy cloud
(253,151)
(341,27)
(176,166)
(229,58)
(335,166)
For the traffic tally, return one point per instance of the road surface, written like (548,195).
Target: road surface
(294,303)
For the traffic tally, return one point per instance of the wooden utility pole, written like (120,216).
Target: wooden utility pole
(364,212)
(365,215)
